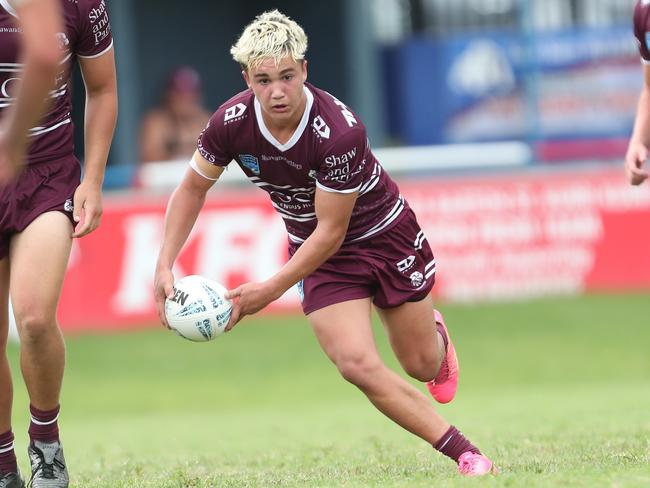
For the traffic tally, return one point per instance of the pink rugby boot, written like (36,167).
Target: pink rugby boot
(443,387)
(472,464)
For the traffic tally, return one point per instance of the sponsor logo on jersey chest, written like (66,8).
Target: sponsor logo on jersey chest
(234,113)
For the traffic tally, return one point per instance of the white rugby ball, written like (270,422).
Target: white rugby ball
(198,311)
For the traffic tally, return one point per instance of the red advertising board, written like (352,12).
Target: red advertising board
(495,238)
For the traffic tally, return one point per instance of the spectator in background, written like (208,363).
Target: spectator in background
(169,131)
(637,152)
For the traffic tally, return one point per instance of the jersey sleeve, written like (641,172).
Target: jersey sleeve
(212,143)
(343,163)
(642,28)
(95,36)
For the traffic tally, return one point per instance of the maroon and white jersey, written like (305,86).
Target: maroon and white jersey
(88,35)
(642,28)
(328,150)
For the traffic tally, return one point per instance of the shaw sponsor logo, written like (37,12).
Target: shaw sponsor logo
(234,112)
(334,160)
(339,165)
(98,17)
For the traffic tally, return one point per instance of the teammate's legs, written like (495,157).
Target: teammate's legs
(6,386)
(7,453)
(344,332)
(39,257)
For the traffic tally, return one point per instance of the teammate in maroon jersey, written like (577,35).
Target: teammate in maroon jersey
(39,20)
(637,153)
(353,239)
(41,211)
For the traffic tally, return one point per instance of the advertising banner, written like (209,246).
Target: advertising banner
(582,83)
(495,238)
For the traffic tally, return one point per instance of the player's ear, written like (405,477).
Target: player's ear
(247,79)
(304,70)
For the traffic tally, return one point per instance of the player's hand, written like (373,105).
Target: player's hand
(248,299)
(636,156)
(87,211)
(163,288)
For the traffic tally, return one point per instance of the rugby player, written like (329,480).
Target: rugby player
(42,208)
(353,240)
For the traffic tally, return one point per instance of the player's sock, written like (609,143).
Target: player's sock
(443,334)
(7,453)
(44,426)
(453,443)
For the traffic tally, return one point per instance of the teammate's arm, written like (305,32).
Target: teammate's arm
(333,211)
(99,124)
(637,152)
(39,20)
(182,211)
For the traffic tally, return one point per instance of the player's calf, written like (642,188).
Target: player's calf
(443,387)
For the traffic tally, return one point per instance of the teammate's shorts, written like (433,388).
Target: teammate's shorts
(393,268)
(41,187)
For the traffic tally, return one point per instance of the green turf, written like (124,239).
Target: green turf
(556,391)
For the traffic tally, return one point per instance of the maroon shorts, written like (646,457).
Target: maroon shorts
(394,268)
(40,188)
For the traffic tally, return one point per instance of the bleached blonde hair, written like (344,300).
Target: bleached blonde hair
(271,35)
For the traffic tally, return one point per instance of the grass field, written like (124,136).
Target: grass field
(556,391)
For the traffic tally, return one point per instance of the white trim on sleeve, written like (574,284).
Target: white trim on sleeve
(9,8)
(195,166)
(331,190)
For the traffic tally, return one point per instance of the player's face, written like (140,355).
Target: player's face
(279,88)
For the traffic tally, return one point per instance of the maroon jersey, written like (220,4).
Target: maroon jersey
(87,34)
(328,150)
(642,28)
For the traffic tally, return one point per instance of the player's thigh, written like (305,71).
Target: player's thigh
(412,331)
(39,257)
(4,301)
(344,331)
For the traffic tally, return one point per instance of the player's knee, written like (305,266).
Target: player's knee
(422,368)
(360,370)
(34,326)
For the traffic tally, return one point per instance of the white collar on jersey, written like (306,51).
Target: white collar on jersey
(7,6)
(299,130)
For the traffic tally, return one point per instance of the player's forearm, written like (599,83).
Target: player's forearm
(641,133)
(40,55)
(317,249)
(182,211)
(100,118)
